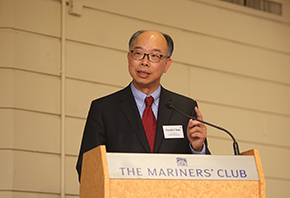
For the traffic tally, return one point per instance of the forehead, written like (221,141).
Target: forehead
(150,40)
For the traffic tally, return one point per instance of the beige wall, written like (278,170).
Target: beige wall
(234,61)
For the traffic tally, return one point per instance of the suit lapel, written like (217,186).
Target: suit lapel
(129,108)
(164,115)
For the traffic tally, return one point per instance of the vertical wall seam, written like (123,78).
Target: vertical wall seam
(63,76)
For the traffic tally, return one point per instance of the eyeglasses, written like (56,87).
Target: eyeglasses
(152,57)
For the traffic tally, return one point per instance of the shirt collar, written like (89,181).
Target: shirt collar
(140,96)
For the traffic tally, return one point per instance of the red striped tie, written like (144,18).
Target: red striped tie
(149,122)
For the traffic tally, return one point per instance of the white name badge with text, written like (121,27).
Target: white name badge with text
(173,131)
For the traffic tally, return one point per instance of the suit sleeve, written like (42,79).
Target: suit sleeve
(93,135)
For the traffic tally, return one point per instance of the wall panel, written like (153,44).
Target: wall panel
(198,17)
(7,128)
(6,170)
(107,29)
(29,52)
(277,188)
(275,161)
(43,54)
(240,91)
(102,30)
(218,146)
(191,48)
(6,194)
(40,169)
(72,184)
(226,56)
(37,132)
(248,126)
(6,48)
(74,134)
(284,18)
(269,156)
(176,78)
(34,195)
(7,87)
(32,15)
(80,94)
(37,92)
(97,64)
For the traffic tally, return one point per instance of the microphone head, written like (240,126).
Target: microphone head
(169,105)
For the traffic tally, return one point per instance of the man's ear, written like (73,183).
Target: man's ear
(167,65)
(128,55)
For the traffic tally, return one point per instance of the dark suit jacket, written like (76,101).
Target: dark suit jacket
(114,121)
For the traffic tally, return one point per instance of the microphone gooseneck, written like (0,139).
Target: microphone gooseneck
(169,105)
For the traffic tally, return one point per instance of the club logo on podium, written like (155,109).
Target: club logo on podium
(181,161)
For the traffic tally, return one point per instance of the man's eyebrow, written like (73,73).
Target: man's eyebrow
(157,50)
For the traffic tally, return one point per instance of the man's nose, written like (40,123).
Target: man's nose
(145,60)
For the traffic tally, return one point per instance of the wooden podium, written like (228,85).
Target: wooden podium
(95,183)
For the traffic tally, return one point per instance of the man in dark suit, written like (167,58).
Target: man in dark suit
(116,120)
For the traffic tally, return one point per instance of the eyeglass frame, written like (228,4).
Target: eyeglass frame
(147,54)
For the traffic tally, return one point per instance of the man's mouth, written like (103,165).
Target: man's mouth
(143,73)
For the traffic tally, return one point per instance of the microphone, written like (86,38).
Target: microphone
(169,105)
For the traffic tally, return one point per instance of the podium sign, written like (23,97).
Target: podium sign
(176,166)
(135,175)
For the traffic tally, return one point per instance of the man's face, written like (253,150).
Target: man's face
(146,75)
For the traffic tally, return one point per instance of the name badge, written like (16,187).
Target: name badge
(174,131)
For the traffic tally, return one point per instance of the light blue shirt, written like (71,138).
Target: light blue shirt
(140,101)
